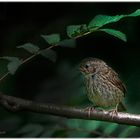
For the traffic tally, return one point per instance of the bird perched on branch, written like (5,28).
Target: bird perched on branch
(104,88)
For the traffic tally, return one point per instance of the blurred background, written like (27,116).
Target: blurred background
(61,82)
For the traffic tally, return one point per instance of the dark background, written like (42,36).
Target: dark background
(61,82)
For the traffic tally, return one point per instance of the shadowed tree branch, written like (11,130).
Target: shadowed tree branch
(17,104)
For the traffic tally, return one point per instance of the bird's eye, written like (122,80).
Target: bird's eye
(86,66)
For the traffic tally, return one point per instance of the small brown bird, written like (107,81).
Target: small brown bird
(104,88)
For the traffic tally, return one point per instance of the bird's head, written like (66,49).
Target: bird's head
(91,65)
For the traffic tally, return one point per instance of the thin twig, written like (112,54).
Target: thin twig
(17,104)
(28,59)
(50,47)
(4,76)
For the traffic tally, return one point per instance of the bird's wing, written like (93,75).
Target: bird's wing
(113,77)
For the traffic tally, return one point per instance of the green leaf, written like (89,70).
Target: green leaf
(50,54)
(136,13)
(13,64)
(71,43)
(74,30)
(30,47)
(60,133)
(112,127)
(72,123)
(52,39)
(115,33)
(30,130)
(101,20)
(89,124)
(127,132)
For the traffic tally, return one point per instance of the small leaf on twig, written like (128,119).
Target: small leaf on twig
(50,54)
(75,30)
(52,39)
(115,33)
(30,47)
(13,64)
(136,13)
(101,20)
(71,43)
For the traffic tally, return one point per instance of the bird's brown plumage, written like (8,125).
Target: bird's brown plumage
(104,87)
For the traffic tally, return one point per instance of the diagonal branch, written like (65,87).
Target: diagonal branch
(17,104)
(48,48)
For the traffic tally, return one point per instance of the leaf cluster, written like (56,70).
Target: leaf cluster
(73,32)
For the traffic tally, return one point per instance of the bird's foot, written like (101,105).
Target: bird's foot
(89,109)
(113,112)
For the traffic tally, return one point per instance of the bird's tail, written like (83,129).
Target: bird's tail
(121,107)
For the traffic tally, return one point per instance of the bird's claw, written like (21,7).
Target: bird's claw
(113,112)
(89,109)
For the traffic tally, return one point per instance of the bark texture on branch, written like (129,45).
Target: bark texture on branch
(17,104)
